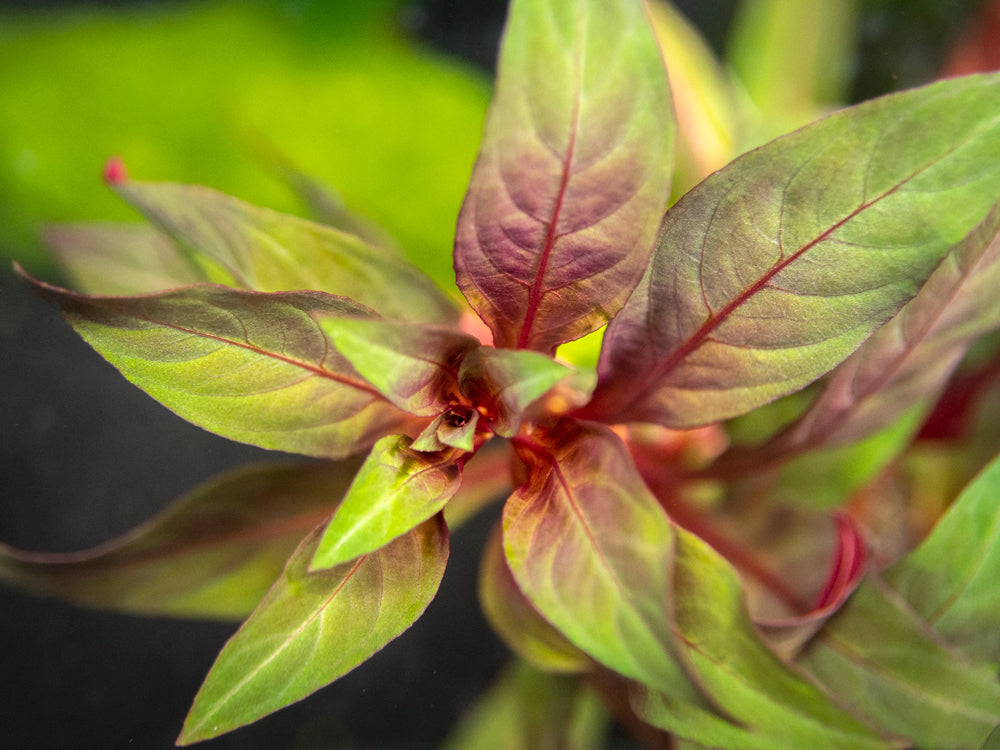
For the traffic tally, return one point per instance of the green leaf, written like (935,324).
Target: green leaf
(881,660)
(256,248)
(725,655)
(950,580)
(249,366)
(396,489)
(910,358)
(593,550)
(517,622)
(212,554)
(775,269)
(530,710)
(415,367)
(505,382)
(573,173)
(119,259)
(312,628)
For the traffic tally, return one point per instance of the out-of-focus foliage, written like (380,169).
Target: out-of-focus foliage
(230,95)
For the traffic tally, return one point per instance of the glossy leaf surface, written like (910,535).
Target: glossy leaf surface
(213,554)
(516,620)
(775,269)
(249,366)
(910,358)
(396,489)
(572,176)
(951,578)
(883,662)
(593,551)
(504,382)
(312,628)
(415,367)
(256,248)
(119,259)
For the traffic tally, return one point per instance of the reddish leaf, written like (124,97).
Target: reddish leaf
(776,268)
(593,551)
(573,173)
(249,366)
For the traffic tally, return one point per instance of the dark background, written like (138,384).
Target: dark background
(84,456)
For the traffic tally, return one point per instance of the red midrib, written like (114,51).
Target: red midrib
(537,286)
(715,320)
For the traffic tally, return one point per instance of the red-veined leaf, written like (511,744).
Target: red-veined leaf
(312,628)
(776,268)
(573,173)
(256,248)
(593,551)
(212,554)
(396,489)
(909,359)
(249,366)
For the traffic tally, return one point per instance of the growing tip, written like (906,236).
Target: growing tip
(114,171)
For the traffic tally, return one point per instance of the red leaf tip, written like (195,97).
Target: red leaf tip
(114,171)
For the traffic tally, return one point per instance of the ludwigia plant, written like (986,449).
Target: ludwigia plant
(667,537)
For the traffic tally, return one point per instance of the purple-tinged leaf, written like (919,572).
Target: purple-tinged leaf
(951,578)
(909,359)
(313,627)
(256,248)
(517,622)
(249,366)
(573,173)
(593,551)
(396,489)
(107,258)
(776,268)
(526,709)
(212,554)
(504,382)
(415,367)
(881,659)
(771,700)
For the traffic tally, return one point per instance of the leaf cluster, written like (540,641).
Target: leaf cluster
(646,553)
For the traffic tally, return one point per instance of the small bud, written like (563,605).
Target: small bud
(114,171)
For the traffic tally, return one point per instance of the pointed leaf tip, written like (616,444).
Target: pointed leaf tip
(114,171)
